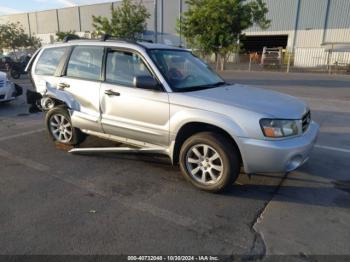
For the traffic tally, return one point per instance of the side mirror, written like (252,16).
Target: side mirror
(146,82)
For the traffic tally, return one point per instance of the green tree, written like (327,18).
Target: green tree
(61,35)
(215,26)
(12,36)
(128,21)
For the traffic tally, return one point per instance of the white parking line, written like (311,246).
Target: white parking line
(333,148)
(165,214)
(24,161)
(155,211)
(21,134)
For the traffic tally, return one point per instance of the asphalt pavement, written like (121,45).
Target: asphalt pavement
(53,202)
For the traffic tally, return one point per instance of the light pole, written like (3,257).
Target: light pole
(180,17)
(155,21)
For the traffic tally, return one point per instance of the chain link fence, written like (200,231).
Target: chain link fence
(308,60)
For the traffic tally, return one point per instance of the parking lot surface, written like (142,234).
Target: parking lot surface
(53,202)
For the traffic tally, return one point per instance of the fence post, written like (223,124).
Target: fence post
(288,63)
(250,63)
(330,53)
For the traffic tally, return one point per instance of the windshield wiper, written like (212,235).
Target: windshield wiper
(217,84)
(200,87)
(221,83)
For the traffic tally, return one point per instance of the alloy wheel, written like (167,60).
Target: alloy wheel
(61,128)
(204,164)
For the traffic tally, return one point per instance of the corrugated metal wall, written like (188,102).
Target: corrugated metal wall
(79,19)
(86,13)
(21,18)
(69,19)
(306,17)
(310,25)
(309,21)
(282,13)
(47,21)
(338,26)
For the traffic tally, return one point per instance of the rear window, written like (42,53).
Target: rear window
(49,60)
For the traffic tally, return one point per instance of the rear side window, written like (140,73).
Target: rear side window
(49,60)
(85,62)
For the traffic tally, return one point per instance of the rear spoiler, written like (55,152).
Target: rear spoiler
(31,61)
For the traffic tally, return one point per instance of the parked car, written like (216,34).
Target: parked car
(8,90)
(164,99)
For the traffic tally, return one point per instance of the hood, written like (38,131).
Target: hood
(254,99)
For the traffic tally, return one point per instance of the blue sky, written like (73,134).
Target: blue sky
(20,6)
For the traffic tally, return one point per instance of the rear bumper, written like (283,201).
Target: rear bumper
(266,156)
(7,93)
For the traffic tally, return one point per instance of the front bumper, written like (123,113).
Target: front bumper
(268,156)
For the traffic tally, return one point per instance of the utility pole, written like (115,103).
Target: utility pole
(155,21)
(29,28)
(180,17)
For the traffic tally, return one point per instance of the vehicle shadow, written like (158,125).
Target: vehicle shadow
(263,187)
(315,190)
(296,190)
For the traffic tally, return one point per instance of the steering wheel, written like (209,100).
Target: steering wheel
(189,78)
(175,74)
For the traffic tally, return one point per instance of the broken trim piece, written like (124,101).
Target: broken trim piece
(118,150)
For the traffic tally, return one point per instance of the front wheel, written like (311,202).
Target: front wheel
(209,161)
(60,128)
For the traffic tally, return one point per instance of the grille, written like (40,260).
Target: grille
(306,120)
(2,83)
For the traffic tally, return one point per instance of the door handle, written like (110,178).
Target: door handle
(110,92)
(62,86)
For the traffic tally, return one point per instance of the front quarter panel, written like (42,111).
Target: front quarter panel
(235,121)
(179,116)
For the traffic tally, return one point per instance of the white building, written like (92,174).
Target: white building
(306,27)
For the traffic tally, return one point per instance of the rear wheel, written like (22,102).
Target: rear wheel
(60,128)
(15,74)
(209,161)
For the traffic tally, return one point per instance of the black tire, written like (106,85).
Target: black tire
(228,157)
(15,74)
(76,136)
(6,102)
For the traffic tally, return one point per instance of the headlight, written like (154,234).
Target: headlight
(3,83)
(279,127)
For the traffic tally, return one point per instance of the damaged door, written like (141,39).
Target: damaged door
(82,81)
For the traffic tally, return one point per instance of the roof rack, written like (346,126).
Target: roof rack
(70,37)
(106,37)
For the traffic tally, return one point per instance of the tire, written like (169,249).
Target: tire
(60,129)
(220,166)
(15,74)
(6,102)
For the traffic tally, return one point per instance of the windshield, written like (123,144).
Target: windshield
(184,71)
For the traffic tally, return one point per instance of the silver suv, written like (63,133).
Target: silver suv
(164,99)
